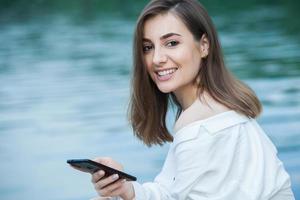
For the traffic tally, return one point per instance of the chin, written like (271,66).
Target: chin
(165,89)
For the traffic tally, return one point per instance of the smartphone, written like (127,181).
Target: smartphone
(90,166)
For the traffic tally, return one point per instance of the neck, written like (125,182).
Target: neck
(186,97)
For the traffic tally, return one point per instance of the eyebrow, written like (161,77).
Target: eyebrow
(164,36)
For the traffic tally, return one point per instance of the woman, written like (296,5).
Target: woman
(218,151)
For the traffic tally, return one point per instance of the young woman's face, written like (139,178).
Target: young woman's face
(171,54)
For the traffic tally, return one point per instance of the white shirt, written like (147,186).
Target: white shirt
(224,157)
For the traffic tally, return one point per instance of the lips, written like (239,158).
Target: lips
(166,71)
(165,74)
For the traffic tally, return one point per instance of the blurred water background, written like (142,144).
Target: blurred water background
(64,87)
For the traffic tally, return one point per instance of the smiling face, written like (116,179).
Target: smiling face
(172,55)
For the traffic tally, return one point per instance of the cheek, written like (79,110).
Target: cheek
(188,59)
(194,59)
(183,55)
(148,62)
(148,65)
(190,63)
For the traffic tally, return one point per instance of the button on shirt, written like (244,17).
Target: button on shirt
(224,157)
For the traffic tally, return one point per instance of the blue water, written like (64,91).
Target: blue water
(65,89)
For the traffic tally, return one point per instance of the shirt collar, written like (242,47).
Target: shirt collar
(223,120)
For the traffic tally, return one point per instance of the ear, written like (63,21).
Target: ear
(204,46)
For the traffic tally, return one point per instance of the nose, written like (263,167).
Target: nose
(159,57)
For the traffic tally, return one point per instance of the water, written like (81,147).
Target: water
(65,85)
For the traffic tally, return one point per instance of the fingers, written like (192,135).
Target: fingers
(106,181)
(108,185)
(97,176)
(113,189)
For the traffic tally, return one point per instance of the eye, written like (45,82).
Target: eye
(172,43)
(147,48)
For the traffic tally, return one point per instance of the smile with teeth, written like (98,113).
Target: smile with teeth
(166,72)
(165,75)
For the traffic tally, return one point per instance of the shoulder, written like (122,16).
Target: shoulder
(210,141)
(201,109)
(225,124)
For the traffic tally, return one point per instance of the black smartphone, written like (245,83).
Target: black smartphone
(90,166)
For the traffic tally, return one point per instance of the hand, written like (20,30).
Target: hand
(111,185)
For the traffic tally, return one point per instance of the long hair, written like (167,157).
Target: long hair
(148,106)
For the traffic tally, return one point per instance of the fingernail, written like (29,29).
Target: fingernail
(115,176)
(101,172)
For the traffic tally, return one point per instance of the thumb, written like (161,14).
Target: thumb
(102,160)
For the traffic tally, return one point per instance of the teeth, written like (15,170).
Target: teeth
(165,72)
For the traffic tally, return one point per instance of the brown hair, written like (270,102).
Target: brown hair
(148,105)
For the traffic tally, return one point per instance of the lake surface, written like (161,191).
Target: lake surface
(64,89)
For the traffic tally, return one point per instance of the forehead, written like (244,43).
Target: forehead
(161,24)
